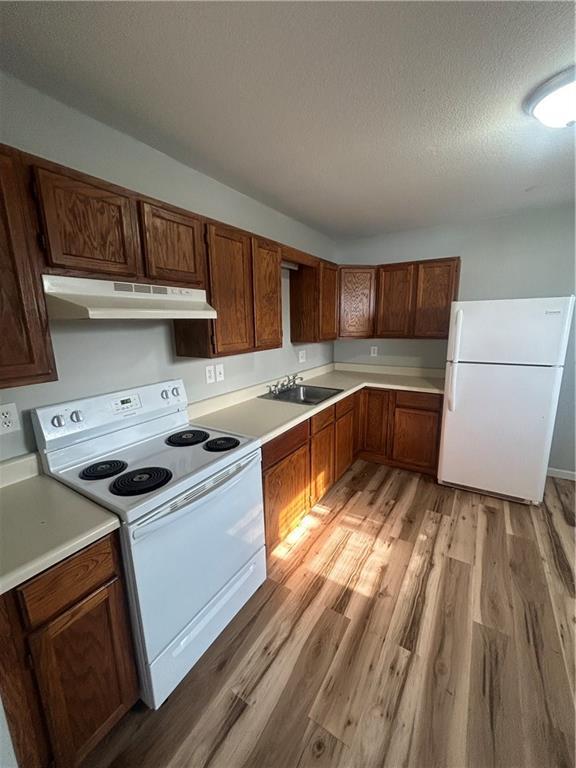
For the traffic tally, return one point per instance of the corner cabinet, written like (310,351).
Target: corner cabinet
(314,302)
(70,625)
(25,349)
(357,296)
(394,309)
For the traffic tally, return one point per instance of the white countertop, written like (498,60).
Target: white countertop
(267,419)
(41,523)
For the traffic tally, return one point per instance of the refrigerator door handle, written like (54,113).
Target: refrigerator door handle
(457,335)
(452,387)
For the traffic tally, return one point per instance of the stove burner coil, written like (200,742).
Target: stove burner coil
(142,480)
(103,469)
(221,444)
(187,437)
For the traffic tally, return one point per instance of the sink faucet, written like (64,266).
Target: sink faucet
(288,382)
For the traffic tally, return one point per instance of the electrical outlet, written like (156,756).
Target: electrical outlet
(302,356)
(9,421)
(220,372)
(373,351)
(210,377)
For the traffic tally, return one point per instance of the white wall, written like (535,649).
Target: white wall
(526,254)
(7,756)
(92,358)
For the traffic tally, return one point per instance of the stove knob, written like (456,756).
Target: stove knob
(57,421)
(175,391)
(76,417)
(165,394)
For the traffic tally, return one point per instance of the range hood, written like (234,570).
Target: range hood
(74,298)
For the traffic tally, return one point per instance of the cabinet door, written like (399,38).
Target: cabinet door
(395,300)
(267,283)
(286,495)
(90,226)
(328,302)
(376,415)
(415,438)
(436,289)
(25,348)
(85,671)
(357,288)
(230,266)
(358,420)
(173,245)
(321,463)
(343,444)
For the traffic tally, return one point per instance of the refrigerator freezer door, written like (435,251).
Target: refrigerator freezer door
(515,331)
(497,428)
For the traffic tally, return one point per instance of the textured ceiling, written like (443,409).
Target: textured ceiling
(357,118)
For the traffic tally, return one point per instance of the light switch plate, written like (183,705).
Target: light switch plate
(210,377)
(373,351)
(302,356)
(220,372)
(9,420)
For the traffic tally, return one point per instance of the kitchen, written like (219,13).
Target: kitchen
(148,294)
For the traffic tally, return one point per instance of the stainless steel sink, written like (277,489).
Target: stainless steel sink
(302,394)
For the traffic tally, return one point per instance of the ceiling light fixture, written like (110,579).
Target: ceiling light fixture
(553,102)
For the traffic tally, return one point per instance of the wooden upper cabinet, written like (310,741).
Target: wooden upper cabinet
(230,271)
(90,226)
(436,289)
(328,301)
(25,349)
(394,308)
(357,290)
(173,244)
(86,677)
(267,288)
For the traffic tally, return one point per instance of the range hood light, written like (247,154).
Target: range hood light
(553,103)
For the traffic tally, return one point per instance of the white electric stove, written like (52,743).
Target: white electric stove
(190,502)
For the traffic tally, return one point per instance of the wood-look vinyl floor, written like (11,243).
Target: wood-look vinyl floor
(403,624)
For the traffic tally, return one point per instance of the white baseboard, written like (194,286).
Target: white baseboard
(563,474)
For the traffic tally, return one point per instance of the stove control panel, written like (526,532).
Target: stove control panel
(126,403)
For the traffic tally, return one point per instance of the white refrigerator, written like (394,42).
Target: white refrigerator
(503,375)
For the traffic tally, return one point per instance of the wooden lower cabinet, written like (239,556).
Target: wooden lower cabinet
(286,495)
(85,671)
(321,463)
(66,646)
(343,444)
(402,428)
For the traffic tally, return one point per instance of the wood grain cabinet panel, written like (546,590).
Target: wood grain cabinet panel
(322,419)
(25,349)
(357,293)
(267,288)
(90,225)
(376,407)
(415,438)
(230,269)
(358,421)
(394,308)
(284,444)
(173,243)
(343,444)
(436,289)
(328,302)
(286,495)
(321,463)
(85,671)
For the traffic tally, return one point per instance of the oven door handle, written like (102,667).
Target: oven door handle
(177,509)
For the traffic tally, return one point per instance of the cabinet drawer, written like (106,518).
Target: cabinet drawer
(343,406)
(426,401)
(282,445)
(48,594)
(322,419)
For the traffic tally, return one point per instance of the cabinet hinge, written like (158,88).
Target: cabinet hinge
(41,239)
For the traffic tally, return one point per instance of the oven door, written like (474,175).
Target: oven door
(188,556)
